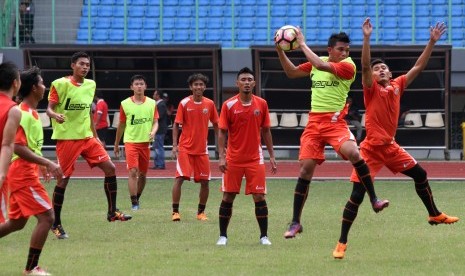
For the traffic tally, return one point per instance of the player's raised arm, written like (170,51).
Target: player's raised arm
(435,34)
(367,29)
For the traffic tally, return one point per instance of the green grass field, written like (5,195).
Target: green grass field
(397,241)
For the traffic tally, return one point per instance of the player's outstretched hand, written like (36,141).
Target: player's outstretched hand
(367,27)
(437,31)
(60,118)
(300,37)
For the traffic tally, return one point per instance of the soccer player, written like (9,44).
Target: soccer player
(331,78)
(69,107)
(100,118)
(245,120)
(28,196)
(10,117)
(191,152)
(139,122)
(382,96)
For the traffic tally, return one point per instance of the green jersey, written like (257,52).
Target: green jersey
(30,123)
(329,92)
(75,102)
(139,120)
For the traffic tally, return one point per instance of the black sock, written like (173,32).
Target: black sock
(261,213)
(426,195)
(58,198)
(175,207)
(134,200)
(138,196)
(364,176)
(111,187)
(300,196)
(351,210)
(33,258)
(201,208)
(224,217)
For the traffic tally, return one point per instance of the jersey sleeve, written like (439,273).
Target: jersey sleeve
(306,67)
(53,95)
(214,114)
(266,118)
(223,122)
(179,114)
(155,114)
(99,107)
(344,70)
(20,138)
(122,115)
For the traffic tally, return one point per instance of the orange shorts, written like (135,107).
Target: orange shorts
(255,182)
(317,134)
(394,157)
(29,201)
(90,149)
(3,202)
(188,164)
(137,156)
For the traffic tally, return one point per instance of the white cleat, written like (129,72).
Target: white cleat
(36,271)
(265,241)
(222,240)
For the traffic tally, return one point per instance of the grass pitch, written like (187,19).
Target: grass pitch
(397,241)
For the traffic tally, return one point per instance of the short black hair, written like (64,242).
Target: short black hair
(338,37)
(8,73)
(29,78)
(138,77)
(376,61)
(197,76)
(78,55)
(245,70)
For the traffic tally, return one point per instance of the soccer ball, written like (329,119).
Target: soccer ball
(286,39)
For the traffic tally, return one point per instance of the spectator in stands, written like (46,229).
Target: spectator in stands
(331,78)
(27,196)
(245,119)
(101,118)
(191,152)
(382,101)
(169,108)
(69,102)
(26,23)
(139,122)
(354,118)
(159,142)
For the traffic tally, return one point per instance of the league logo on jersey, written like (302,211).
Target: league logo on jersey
(205,111)
(256,112)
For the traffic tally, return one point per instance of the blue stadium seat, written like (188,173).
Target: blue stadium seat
(107,2)
(138,2)
(185,12)
(354,10)
(92,2)
(242,44)
(262,36)
(150,35)
(150,23)
(170,11)
(245,23)
(181,35)
(261,22)
(356,36)
(244,11)
(295,2)
(244,35)
(170,3)
(93,11)
(168,22)
(186,3)
(405,37)
(388,34)
(279,2)
(389,10)
(168,35)
(457,34)
(152,12)
(387,22)
(327,22)
(136,11)
(215,22)
(213,35)
(294,11)
(202,23)
(216,11)
(457,22)
(405,11)
(440,10)
(327,11)
(153,3)
(312,11)
(311,22)
(117,23)
(116,35)
(133,35)
(422,22)
(121,2)
(183,23)
(103,23)
(422,35)
(422,10)
(118,11)
(278,11)
(82,35)
(135,22)
(100,35)
(457,10)
(84,23)
(227,23)
(105,11)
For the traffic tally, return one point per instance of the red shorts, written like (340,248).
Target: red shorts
(317,134)
(395,158)
(188,164)
(29,201)
(90,149)
(255,182)
(3,202)
(137,156)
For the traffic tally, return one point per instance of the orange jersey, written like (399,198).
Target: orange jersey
(382,110)
(194,117)
(244,123)
(101,108)
(343,70)
(5,105)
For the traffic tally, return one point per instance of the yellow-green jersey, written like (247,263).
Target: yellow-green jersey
(139,119)
(74,101)
(30,130)
(329,91)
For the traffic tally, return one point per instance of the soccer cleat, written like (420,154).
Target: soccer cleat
(442,218)
(135,207)
(118,215)
(340,250)
(202,217)
(379,205)
(59,232)
(222,240)
(294,229)
(176,216)
(36,271)
(265,241)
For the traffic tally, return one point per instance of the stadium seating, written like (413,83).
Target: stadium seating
(303,120)
(415,118)
(44,119)
(434,119)
(289,120)
(274,119)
